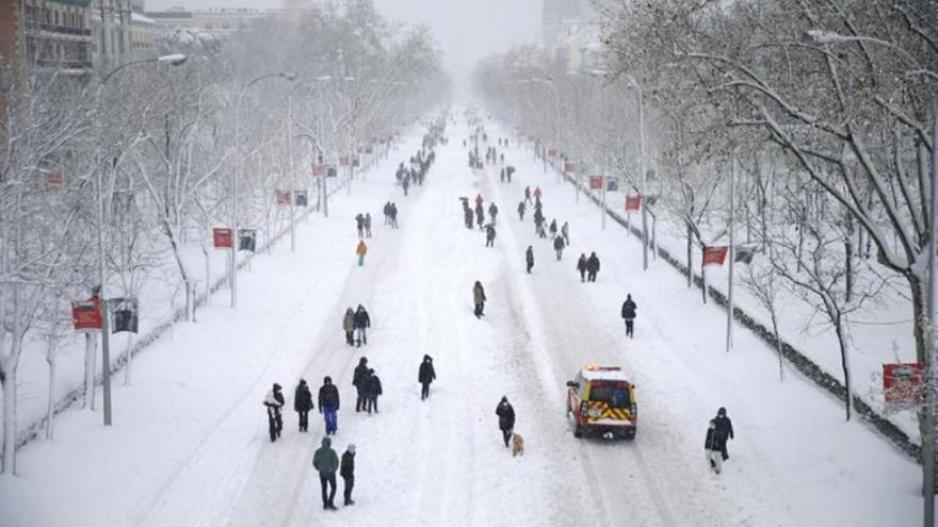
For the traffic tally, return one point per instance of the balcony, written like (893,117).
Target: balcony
(51,31)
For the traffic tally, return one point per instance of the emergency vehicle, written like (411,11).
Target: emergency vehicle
(601,400)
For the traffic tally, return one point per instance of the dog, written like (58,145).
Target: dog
(517,445)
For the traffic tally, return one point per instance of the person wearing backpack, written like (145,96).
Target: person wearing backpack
(628,313)
(303,403)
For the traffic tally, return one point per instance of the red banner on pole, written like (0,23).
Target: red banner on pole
(282,197)
(86,314)
(221,237)
(633,202)
(902,385)
(715,255)
(319,170)
(596,182)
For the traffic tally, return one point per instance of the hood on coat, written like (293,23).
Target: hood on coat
(326,442)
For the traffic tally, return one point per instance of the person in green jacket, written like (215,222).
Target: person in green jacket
(326,462)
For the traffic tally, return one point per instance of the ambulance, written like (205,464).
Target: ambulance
(601,401)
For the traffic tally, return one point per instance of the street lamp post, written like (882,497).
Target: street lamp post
(641,126)
(233,275)
(175,59)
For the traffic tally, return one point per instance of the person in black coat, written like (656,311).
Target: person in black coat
(480,215)
(329,404)
(303,403)
(521,211)
(490,235)
(714,445)
(347,471)
(361,323)
(358,381)
(592,267)
(529,258)
(274,402)
(425,376)
(372,391)
(724,430)
(581,267)
(628,313)
(558,246)
(506,419)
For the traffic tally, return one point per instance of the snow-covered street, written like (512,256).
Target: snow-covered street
(189,444)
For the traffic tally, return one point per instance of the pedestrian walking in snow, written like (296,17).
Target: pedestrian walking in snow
(393,211)
(367,225)
(425,376)
(628,313)
(274,402)
(581,267)
(538,193)
(521,211)
(553,229)
(506,419)
(329,405)
(372,391)
(360,224)
(303,403)
(490,235)
(361,251)
(478,297)
(501,175)
(565,232)
(479,200)
(406,184)
(724,430)
(468,217)
(493,212)
(529,258)
(348,325)
(592,267)
(480,215)
(361,322)
(326,462)
(387,213)
(347,471)
(558,246)
(359,377)
(527,194)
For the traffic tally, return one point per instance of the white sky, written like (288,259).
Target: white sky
(466,30)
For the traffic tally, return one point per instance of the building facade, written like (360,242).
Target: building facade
(217,22)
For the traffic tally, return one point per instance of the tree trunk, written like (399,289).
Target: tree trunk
(130,359)
(91,354)
(840,327)
(703,281)
(8,464)
(849,268)
(208,277)
(690,258)
(778,344)
(50,407)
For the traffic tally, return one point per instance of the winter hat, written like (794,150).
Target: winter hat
(504,398)
(302,382)
(326,442)
(351,448)
(327,380)
(721,411)
(276,387)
